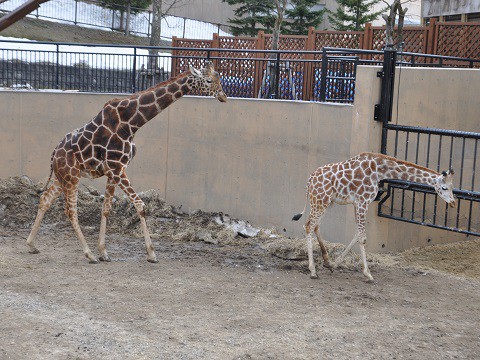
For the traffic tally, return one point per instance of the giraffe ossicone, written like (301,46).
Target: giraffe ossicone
(104,147)
(356,181)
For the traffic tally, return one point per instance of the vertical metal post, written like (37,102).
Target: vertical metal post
(134,72)
(76,12)
(277,76)
(386,97)
(57,72)
(184,25)
(323,76)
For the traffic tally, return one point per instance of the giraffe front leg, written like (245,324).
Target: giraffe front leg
(46,201)
(326,261)
(366,271)
(311,261)
(72,214)
(124,184)
(107,206)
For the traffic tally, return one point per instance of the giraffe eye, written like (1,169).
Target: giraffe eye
(444,187)
(209,80)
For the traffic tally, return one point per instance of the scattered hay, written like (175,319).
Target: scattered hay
(19,198)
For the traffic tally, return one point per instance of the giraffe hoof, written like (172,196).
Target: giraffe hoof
(105,258)
(153,261)
(313,276)
(328,266)
(34,251)
(93,261)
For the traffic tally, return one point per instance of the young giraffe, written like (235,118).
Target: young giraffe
(355,181)
(104,147)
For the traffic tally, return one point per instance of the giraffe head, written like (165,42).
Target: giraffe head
(444,186)
(207,81)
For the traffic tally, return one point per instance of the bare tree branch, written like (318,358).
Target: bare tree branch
(19,13)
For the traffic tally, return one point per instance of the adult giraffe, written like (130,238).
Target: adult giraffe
(355,181)
(104,147)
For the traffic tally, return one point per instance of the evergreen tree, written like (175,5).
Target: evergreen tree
(353,14)
(252,16)
(300,17)
(121,5)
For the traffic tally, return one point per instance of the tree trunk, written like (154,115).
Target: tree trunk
(272,65)
(19,13)
(127,21)
(152,63)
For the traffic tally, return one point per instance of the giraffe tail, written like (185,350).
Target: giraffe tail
(296,217)
(51,172)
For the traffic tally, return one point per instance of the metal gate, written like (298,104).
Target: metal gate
(437,149)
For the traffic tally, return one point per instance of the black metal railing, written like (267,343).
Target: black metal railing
(92,13)
(126,69)
(329,75)
(436,149)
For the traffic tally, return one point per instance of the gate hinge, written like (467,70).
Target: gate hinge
(380,74)
(376,113)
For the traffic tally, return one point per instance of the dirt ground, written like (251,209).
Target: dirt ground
(218,295)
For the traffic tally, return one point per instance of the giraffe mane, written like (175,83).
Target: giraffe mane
(159,85)
(402,162)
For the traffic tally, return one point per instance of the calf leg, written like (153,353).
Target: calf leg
(107,206)
(46,200)
(326,261)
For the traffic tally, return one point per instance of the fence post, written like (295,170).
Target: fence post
(386,96)
(214,54)
(432,36)
(258,74)
(173,70)
(57,72)
(277,75)
(184,25)
(323,76)
(76,11)
(309,66)
(134,72)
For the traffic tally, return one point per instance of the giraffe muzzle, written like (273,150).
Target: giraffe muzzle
(452,203)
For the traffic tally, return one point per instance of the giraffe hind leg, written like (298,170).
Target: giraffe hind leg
(326,260)
(107,206)
(72,214)
(124,184)
(46,201)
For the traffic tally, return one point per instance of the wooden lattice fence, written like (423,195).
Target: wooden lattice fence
(247,72)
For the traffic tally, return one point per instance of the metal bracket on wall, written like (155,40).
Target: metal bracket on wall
(380,74)
(376,113)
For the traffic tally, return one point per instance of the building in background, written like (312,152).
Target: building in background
(451,10)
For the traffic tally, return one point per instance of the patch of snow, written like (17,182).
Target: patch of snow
(240,227)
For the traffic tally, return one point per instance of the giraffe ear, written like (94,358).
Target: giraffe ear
(451,171)
(195,72)
(209,67)
(444,173)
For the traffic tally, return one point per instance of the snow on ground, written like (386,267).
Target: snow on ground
(105,57)
(94,16)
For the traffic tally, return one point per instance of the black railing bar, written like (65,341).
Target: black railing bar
(467,232)
(433,131)
(409,185)
(442,57)
(340,77)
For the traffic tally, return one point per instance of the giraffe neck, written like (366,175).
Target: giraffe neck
(149,103)
(391,168)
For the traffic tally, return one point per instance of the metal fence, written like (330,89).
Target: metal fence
(126,69)
(438,149)
(92,13)
(328,75)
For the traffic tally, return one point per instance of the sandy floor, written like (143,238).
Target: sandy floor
(230,299)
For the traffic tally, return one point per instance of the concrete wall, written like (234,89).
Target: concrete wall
(249,158)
